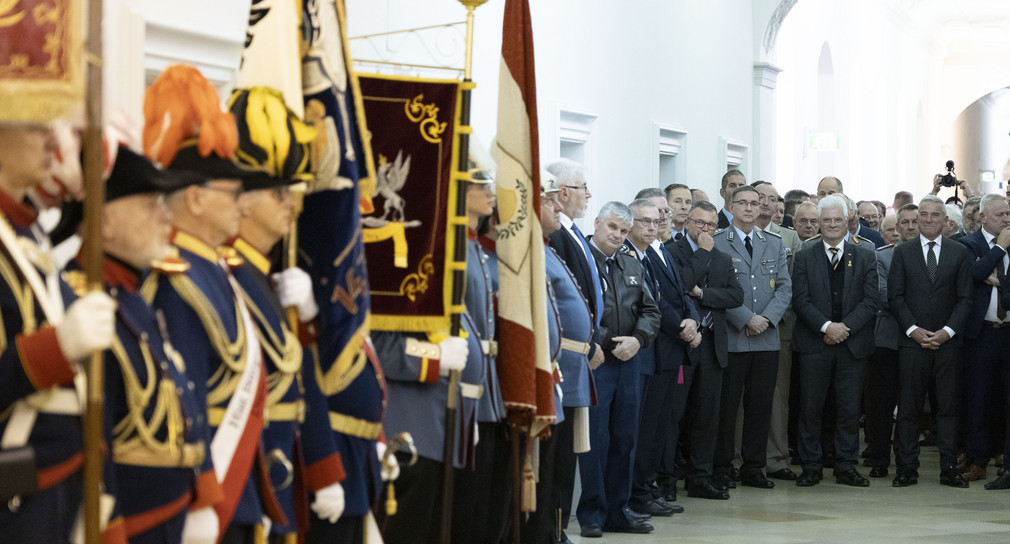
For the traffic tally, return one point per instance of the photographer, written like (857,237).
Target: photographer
(950,180)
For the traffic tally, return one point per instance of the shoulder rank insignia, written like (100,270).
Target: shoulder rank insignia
(172,263)
(718,231)
(775,234)
(857,239)
(76,280)
(888,246)
(230,256)
(814,237)
(626,250)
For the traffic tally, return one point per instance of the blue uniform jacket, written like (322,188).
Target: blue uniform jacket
(577,326)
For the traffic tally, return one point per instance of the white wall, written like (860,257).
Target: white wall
(682,64)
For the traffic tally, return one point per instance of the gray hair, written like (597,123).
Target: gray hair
(621,210)
(849,203)
(640,203)
(807,203)
(566,172)
(650,192)
(987,201)
(930,198)
(837,200)
(705,205)
(953,213)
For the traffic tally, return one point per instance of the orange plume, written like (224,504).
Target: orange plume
(179,105)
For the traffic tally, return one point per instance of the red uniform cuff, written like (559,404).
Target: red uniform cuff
(208,491)
(43,362)
(430,370)
(115,532)
(326,471)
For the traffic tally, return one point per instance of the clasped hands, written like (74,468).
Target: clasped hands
(929,340)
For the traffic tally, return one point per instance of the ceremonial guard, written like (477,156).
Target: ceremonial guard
(40,429)
(571,368)
(300,449)
(203,305)
(155,422)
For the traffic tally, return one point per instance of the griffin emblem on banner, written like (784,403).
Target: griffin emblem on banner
(391,177)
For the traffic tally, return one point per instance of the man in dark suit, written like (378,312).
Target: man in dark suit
(930,291)
(882,382)
(987,334)
(708,274)
(730,181)
(629,323)
(568,241)
(678,330)
(835,298)
(857,228)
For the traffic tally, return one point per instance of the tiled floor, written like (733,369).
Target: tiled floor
(830,513)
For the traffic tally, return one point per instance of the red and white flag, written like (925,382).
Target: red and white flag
(523,359)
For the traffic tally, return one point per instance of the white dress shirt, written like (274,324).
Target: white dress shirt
(936,251)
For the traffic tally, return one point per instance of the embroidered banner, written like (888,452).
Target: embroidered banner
(41,73)
(413,126)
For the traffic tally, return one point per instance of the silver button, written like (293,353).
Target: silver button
(191,385)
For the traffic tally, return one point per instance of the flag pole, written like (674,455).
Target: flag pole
(93,166)
(459,276)
(291,245)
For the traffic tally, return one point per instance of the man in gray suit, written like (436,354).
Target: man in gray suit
(778,432)
(836,298)
(759,261)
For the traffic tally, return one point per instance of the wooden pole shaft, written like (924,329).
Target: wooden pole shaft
(93,187)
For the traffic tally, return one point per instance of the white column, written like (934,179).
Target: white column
(763,156)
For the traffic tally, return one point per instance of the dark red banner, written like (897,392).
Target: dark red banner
(413,128)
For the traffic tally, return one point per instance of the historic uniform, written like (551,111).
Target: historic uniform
(36,381)
(295,406)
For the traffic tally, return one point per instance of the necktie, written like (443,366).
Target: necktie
(1001,275)
(678,237)
(931,263)
(834,257)
(611,265)
(746,244)
(650,274)
(597,294)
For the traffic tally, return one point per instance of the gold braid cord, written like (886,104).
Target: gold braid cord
(285,353)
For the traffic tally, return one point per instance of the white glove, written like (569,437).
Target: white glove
(88,325)
(453,353)
(201,527)
(390,468)
(329,503)
(294,288)
(476,434)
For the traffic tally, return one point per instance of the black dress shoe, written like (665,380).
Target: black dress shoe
(734,474)
(757,480)
(591,531)
(851,477)
(668,492)
(634,527)
(783,474)
(905,478)
(705,490)
(1003,482)
(723,481)
(652,508)
(953,478)
(675,508)
(878,472)
(809,478)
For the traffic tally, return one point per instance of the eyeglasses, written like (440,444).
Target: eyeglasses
(235,193)
(747,203)
(834,221)
(582,187)
(647,222)
(705,224)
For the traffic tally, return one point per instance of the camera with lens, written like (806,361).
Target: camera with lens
(949,179)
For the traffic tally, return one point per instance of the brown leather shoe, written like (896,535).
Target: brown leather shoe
(974,473)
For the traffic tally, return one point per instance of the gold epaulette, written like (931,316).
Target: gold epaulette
(231,256)
(857,239)
(76,280)
(171,264)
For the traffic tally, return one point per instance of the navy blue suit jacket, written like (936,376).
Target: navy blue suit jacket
(984,263)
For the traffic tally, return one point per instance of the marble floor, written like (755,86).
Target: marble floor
(831,513)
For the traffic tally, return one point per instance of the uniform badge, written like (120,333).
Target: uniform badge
(771,282)
(632,280)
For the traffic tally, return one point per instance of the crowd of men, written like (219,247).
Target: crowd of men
(715,345)
(742,340)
